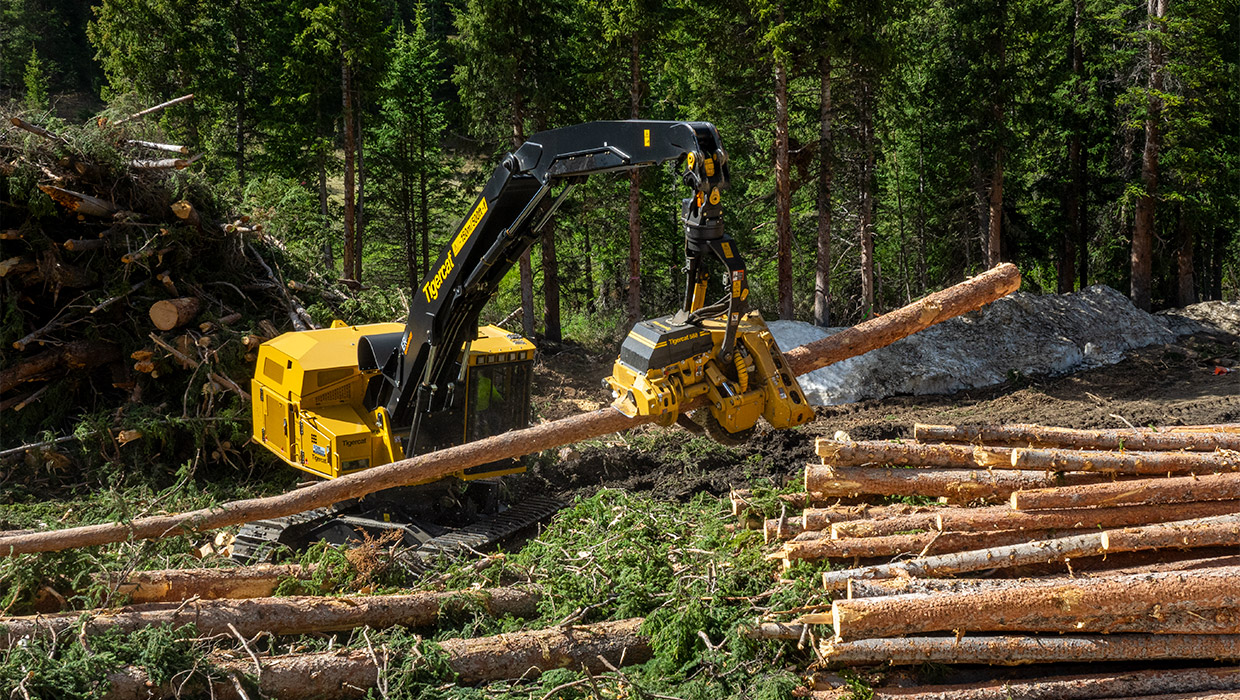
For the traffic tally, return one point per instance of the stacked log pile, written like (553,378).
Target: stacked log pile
(129,286)
(1030,545)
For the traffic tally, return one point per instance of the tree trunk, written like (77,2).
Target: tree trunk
(1004,518)
(1223,530)
(1145,463)
(855,454)
(1112,684)
(525,265)
(921,544)
(1026,649)
(1197,602)
(174,313)
(280,616)
(887,526)
(958,485)
(867,197)
(1143,224)
(995,218)
(359,233)
(1185,489)
(551,285)
(826,173)
(824,518)
(1048,436)
(1186,292)
(425,468)
(634,302)
(921,209)
(783,195)
(343,673)
(350,151)
(173,585)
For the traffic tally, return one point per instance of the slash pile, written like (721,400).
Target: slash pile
(1035,545)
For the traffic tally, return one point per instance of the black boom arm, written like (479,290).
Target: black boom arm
(422,366)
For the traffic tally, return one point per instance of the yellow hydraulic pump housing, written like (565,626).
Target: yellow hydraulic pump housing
(308,392)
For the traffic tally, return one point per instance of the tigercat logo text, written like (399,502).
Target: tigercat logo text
(431,289)
(353,443)
(683,338)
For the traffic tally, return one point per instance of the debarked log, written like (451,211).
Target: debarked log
(1221,530)
(1178,489)
(1182,602)
(1004,518)
(1111,684)
(285,615)
(908,454)
(1030,649)
(1143,463)
(352,673)
(955,484)
(893,545)
(861,588)
(1021,435)
(869,335)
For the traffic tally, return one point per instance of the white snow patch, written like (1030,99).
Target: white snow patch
(1023,333)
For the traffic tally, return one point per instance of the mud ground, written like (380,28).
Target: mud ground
(1172,384)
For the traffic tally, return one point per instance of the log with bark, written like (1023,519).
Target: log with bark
(352,673)
(861,588)
(1222,530)
(1144,463)
(907,454)
(167,314)
(1030,649)
(165,585)
(887,526)
(955,484)
(1181,489)
(78,202)
(1021,435)
(150,110)
(1111,684)
(77,355)
(869,335)
(813,519)
(1193,602)
(893,545)
(1004,518)
(279,616)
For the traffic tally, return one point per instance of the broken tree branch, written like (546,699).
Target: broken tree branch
(152,110)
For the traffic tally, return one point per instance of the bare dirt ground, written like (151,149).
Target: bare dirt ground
(1158,385)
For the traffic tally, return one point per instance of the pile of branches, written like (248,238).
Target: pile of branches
(133,300)
(1045,546)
